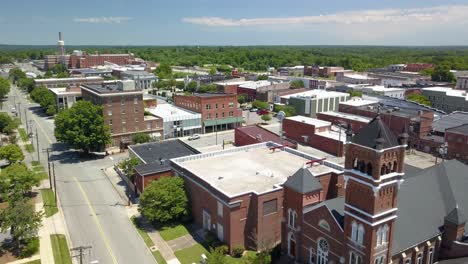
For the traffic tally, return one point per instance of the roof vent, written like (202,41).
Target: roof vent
(396,108)
(220,177)
(370,107)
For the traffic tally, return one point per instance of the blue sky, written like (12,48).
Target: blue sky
(238,22)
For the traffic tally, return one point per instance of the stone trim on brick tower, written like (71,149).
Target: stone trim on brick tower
(373,173)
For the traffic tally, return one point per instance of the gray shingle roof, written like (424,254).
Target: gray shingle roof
(368,135)
(425,199)
(303,181)
(456,216)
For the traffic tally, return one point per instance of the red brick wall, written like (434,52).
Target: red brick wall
(355,125)
(147,179)
(198,104)
(295,130)
(87,61)
(250,93)
(242,139)
(457,145)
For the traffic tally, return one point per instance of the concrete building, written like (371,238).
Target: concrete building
(396,67)
(230,86)
(154,160)
(381,215)
(309,103)
(143,79)
(315,133)
(218,111)
(381,90)
(291,71)
(254,134)
(123,111)
(238,193)
(398,79)
(462,83)
(178,122)
(264,90)
(66,97)
(88,72)
(354,78)
(67,82)
(447,99)
(51,60)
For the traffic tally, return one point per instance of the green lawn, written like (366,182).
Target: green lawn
(231,260)
(29,148)
(191,255)
(60,249)
(50,206)
(35,163)
(159,258)
(34,262)
(23,135)
(43,175)
(142,232)
(172,232)
(38,168)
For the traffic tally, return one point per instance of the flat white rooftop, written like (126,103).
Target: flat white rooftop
(448,91)
(347,116)
(255,85)
(253,168)
(381,88)
(90,78)
(64,91)
(316,94)
(310,121)
(358,102)
(233,82)
(334,133)
(170,113)
(358,76)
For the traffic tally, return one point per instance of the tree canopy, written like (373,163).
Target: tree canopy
(297,84)
(17,179)
(45,98)
(164,200)
(139,138)
(12,153)
(4,87)
(442,74)
(419,98)
(82,127)
(7,123)
(260,104)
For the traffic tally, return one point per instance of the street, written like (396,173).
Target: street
(94,212)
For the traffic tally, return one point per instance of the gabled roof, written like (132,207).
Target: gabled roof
(303,181)
(376,129)
(426,199)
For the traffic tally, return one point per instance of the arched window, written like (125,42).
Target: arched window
(322,251)
(360,237)
(389,167)
(408,261)
(354,231)
(355,164)
(324,224)
(369,168)
(382,234)
(379,260)
(291,245)
(292,215)
(385,234)
(419,259)
(382,170)
(431,256)
(354,258)
(394,166)
(362,166)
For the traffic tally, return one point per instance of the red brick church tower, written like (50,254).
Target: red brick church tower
(373,173)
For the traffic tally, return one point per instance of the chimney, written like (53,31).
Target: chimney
(403,137)
(349,133)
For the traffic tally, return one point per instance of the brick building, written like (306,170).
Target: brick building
(123,111)
(457,142)
(382,216)
(90,60)
(238,194)
(154,160)
(417,67)
(68,82)
(254,134)
(219,110)
(343,119)
(315,133)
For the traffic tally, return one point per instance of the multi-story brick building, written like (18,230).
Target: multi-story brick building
(219,110)
(417,67)
(123,111)
(383,216)
(447,99)
(82,60)
(238,194)
(253,134)
(457,142)
(68,82)
(344,119)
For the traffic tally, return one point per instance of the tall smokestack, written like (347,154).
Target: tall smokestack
(61,45)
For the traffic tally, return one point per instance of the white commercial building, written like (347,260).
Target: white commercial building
(178,122)
(381,90)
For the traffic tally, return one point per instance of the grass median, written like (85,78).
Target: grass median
(23,135)
(60,249)
(48,198)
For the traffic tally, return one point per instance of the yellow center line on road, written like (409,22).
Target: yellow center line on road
(98,224)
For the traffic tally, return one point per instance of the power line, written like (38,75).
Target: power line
(81,252)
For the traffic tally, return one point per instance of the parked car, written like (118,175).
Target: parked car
(253,109)
(263,112)
(194,137)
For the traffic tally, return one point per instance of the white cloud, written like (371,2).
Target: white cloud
(438,14)
(102,20)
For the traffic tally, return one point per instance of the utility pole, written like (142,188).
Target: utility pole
(37,146)
(26,118)
(19,110)
(48,165)
(81,252)
(55,182)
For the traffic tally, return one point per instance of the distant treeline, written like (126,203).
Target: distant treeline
(259,58)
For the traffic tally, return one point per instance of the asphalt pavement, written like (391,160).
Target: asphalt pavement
(95,214)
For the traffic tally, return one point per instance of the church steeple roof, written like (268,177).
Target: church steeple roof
(375,135)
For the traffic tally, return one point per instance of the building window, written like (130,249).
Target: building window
(137,129)
(124,121)
(355,258)
(357,233)
(222,114)
(136,120)
(430,258)
(222,106)
(136,109)
(216,115)
(382,234)
(123,111)
(122,100)
(109,101)
(292,215)
(322,251)
(208,116)
(231,113)
(291,245)
(270,207)
(110,122)
(360,237)
(124,129)
(379,260)
(311,256)
(109,112)
(208,106)
(216,106)
(220,209)
(148,125)
(408,261)
(419,259)
(135,100)
(324,224)
(231,105)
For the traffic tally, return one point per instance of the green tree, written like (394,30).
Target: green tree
(419,98)
(260,104)
(355,93)
(164,200)
(262,77)
(26,84)
(442,74)
(139,138)
(4,87)
(241,98)
(180,85)
(216,256)
(7,123)
(17,180)
(63,75)
(266,117)
(212,71)
(163,71)
(16,74)
(45,98)
(22,220)
(192,86)
(12,153)
(287,109)
(297,84)
(82,127)
(59,68)
(128,165)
